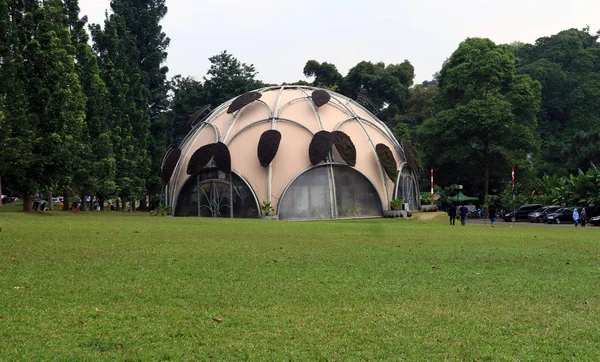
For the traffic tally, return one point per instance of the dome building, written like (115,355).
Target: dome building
(309,153)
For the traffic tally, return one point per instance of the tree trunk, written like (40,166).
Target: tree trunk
(486,170)
(143,204)
(101,204)
(66,203)
(50,203)
(26,202)
(0,192)
(83,202)
(486,182)
(117,208)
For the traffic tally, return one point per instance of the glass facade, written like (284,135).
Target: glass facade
(331,191)
(213,193)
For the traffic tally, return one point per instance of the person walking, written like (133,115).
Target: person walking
(576,216)
(36,202)
(463,214)
(583,217)
(452,214)
(492,215)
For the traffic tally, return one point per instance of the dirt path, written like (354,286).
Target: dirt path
(426,216)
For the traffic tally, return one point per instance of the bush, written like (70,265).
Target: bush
(396,204)
(161,210)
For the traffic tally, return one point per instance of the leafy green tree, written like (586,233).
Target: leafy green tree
(387,87)
(227,78)
(44,100)
(189,96)
(567,65)
(142,20)
(96,161)
(118,57)
(326,74)
(486,120)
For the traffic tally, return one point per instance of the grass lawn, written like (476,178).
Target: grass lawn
(111,285)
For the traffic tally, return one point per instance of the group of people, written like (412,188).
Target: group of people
(463,211)
(38,203)
(579,217)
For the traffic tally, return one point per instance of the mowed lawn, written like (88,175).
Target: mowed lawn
(122,286)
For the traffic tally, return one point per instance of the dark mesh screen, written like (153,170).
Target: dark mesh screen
(309,197)
(355,195)
(209,193)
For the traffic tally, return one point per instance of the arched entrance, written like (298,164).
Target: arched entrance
(213,193)
(330,192)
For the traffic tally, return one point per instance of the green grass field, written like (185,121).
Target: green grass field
(122,286)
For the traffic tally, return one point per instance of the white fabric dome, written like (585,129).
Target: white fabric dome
(294,187)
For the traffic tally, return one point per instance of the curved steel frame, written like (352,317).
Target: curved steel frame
(337,100)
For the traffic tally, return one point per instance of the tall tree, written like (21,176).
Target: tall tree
(118,57)
(326,74)
(132,50)
(96,161)
(487,118)
(227,77)
(142,19)
(189,97)
(44,99)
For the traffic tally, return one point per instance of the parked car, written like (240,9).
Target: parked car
(561,216)
(521,212)
(540,214)
(595,220)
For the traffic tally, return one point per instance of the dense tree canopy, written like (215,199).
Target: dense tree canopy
(568,67)
(487,119)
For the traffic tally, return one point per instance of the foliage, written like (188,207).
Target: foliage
(486,121)
(567,65)
(266,208)
(326,75)
(227,78)
(426,198)
(43,104)
(222,157)
(345,147)
(387,161)
(320,146)
(268,145)
(200,158)
(161,210)
(396,204)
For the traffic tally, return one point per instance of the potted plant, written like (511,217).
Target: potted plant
(396,208)
(267,211)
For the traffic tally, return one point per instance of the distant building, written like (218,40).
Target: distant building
(308,174)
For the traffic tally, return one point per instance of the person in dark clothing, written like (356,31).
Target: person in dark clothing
(36,202)
(583,217)
(492,215)
(452,214)
(463,214)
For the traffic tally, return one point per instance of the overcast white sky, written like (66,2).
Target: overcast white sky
(279,36)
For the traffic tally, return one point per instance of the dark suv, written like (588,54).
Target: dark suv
(540,214)
(561,216)
(521,212)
